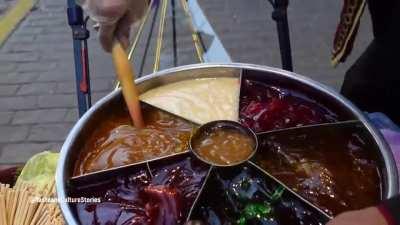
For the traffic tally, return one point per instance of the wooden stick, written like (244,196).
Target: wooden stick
(17,206)
(38,213)
(14,205)
(20,214)
(44,219)
(28,213)
(3,211)
(9,203)
(125,75)
(32,209)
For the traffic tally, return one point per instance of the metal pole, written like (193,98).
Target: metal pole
(280,16)
(174,43)
(80,35)
(148,40)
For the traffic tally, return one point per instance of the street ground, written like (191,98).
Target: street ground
(5,5)
(37,87)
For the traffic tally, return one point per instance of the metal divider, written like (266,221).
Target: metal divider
(88,177)
(239,94)
(328,217)
(199,192)
(340,123)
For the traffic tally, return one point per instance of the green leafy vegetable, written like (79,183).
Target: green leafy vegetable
(40,169)
(255,211)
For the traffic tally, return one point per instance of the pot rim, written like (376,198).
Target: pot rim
(387,156)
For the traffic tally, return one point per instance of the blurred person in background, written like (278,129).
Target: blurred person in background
(373,81)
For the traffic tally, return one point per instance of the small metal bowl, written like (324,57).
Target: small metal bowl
(223,124)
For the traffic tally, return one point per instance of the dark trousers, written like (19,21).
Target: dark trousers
(373,82)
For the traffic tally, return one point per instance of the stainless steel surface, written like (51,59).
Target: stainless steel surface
(199,193)
(91,177)
(321,125)
(113,101)
(223,124)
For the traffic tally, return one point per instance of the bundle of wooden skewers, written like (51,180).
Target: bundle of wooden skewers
(24,204)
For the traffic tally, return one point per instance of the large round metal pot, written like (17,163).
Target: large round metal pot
(100,110)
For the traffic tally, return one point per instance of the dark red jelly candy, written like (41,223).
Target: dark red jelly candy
(164,206)
(264,107)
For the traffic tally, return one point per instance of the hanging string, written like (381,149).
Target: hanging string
(140,31)
(160,35)
(174,41)
(137,37)
(149,37)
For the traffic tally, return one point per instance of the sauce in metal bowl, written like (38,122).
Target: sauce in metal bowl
(224,146)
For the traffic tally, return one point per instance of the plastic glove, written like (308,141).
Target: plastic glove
(368,216)
(115,18)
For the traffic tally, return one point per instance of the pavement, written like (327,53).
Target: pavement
(5,5)
(37,86)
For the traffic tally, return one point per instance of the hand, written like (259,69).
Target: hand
(368,216)
(115,18)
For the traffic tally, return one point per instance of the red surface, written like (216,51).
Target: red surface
(264,107)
